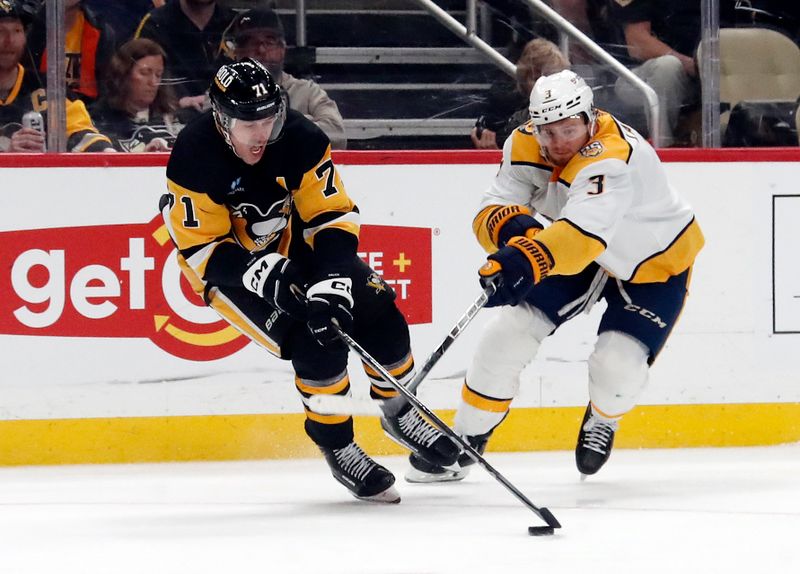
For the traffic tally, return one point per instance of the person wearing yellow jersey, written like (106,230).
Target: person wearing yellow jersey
(268,235)
(88,46)
(21,91)
(580,210)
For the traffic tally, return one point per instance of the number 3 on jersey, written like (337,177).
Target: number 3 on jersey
(598,180)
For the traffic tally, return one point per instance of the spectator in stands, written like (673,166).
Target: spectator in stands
(89,44)
(23,91)
(122,17)
(507,107)
(662,37)
(190,31)
(258,34)
(138,111)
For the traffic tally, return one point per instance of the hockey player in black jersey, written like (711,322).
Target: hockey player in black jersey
(258,212)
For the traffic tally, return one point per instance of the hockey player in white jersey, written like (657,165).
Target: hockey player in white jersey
(619,232)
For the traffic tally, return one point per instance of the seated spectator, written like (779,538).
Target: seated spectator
(190,31)
(89,45)
(258,34)
(507,107)
(662,37)
(22,91)
(137,112)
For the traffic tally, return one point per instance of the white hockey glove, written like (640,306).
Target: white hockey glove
(330,299)
(274,278)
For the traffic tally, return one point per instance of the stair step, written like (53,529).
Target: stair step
(400,55)
(374,128)
(402,28)
(408,104)
(421,74)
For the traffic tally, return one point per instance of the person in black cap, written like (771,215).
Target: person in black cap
(258,34)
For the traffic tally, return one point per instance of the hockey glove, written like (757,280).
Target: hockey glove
(514,270)
(509,221)
(275,278)
(330,299)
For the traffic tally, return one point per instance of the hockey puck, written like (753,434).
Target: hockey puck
(540,530)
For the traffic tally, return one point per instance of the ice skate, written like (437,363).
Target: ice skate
(410,430)
(363,477)
(423,472)
(595,440)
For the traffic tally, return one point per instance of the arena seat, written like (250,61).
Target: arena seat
(756,64)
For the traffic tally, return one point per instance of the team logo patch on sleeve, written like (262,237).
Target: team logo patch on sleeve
(376,282)
(594,149)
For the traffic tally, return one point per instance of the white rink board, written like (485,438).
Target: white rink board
(723,350)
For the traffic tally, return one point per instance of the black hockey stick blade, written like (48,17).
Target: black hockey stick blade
(551,521)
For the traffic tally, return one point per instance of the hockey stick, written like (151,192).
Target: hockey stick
(542,512)
(337,404)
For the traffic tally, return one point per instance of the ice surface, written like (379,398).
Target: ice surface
(697,510)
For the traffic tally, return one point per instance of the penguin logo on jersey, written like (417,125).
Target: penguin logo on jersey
(594,149)
(254,228)
(376,282)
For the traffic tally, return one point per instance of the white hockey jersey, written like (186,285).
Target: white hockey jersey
(611,203)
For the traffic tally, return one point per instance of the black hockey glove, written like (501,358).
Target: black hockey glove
(275,278)
(330,299)
(510,272)
(514,270)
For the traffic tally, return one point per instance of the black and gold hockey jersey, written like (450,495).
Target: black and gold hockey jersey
(222,210)
(29,94)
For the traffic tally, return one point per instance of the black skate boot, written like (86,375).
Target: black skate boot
(423,472)
(410,430)
(365,478)
(595,440)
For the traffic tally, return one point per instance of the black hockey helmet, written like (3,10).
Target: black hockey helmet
(246,91)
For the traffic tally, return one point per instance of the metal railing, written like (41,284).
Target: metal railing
(56,72)
(709,67)
(468,34)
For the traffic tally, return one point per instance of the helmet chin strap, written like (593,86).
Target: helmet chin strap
(592,123)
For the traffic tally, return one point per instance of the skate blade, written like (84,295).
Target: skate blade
(415,476)
(584,477)
(388,496)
